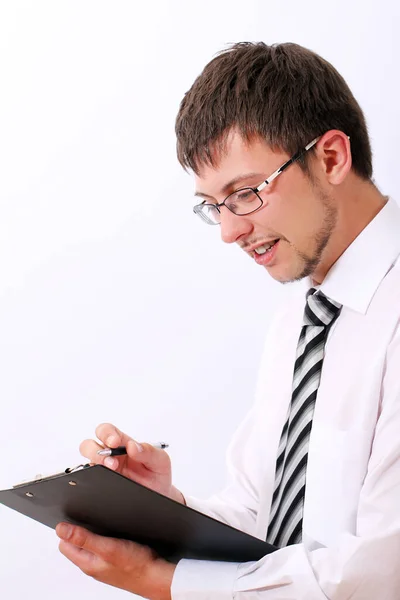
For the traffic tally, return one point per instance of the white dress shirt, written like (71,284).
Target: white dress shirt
(351,522)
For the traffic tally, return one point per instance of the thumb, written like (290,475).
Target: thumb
(86,540)
(151,457)
(81,544)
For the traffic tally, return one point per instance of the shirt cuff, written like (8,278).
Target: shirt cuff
(191,501)
(201,506)
(203,580)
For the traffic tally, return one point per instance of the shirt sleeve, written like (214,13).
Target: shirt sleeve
(363,566)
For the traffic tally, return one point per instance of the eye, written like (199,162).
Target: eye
(244,195)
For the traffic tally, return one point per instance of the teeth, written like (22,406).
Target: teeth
(263,249)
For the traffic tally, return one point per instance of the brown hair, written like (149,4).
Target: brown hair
(284,93)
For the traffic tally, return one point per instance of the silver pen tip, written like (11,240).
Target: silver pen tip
(104,452)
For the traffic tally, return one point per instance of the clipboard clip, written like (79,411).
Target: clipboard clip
(78,468)
(41,477)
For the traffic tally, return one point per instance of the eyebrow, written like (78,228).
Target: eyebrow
(232,184)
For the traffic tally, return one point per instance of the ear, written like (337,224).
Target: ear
(334,156)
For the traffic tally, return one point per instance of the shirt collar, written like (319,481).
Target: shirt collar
(354,278)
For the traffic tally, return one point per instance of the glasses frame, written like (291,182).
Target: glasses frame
(198,209)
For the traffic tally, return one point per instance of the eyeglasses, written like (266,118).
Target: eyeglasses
(245,200)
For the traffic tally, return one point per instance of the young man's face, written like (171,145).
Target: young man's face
(295,209)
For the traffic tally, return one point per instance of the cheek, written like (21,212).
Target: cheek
(293,215)
(271,218)
(301,220)
(282,220)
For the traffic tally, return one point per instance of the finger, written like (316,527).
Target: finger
(89,449)
(83,559)
(85,540)
(153,458)
(111,436)
(110,550)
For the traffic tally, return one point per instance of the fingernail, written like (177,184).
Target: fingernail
(109,462)
(65,531)
(112,441)
(139,447)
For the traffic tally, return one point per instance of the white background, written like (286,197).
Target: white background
(116,303)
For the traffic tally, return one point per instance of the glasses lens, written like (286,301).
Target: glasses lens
(208,213)
(243,202)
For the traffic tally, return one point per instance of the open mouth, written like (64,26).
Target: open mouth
(266,247)
(264,255)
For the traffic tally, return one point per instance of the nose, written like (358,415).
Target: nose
(233,226)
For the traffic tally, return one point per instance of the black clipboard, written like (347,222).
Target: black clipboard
(110,504)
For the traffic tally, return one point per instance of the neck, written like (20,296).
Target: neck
(357,206)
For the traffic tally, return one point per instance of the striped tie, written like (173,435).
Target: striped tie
(286,518)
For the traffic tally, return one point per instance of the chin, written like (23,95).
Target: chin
(283,275)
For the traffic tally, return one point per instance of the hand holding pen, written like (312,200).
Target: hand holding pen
(121,450)
(147,464)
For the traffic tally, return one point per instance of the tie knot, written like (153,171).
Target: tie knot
(320,310)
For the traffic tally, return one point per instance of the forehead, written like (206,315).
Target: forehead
(240,157)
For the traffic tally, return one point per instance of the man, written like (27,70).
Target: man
(282,162)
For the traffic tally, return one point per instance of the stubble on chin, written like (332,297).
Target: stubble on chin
(308,263)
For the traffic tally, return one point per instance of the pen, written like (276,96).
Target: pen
(121,450)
